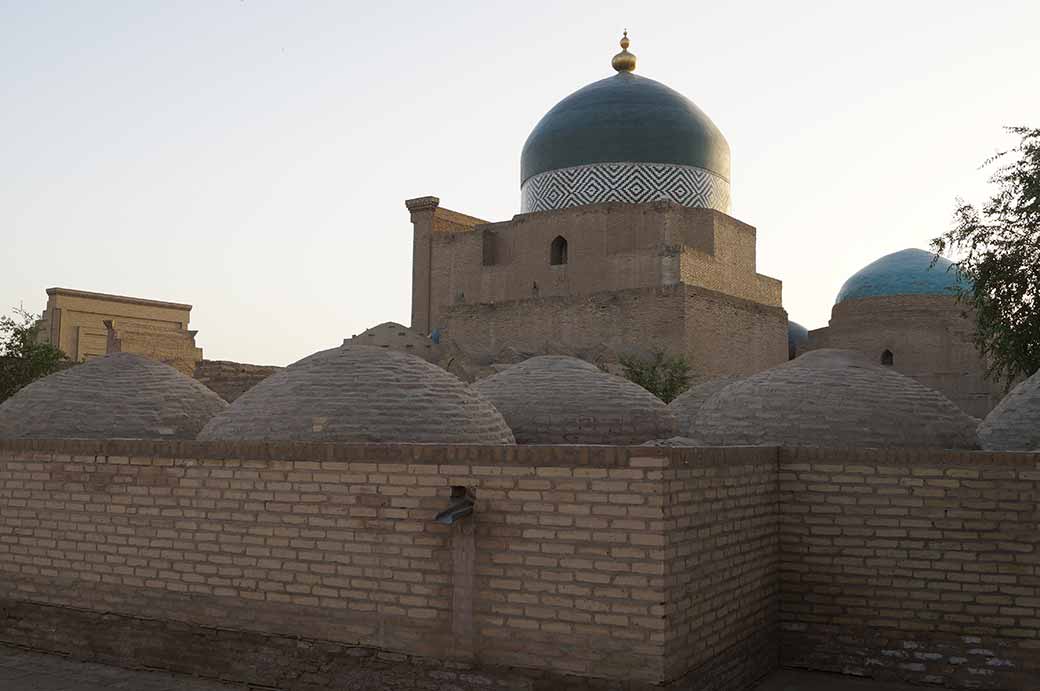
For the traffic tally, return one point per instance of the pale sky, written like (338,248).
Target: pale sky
(253,158)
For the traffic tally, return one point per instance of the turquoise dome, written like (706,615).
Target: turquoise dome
(624,139)
(796,335)
(624,118)
(908,272)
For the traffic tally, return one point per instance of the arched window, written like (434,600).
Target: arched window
(887,358)
(558,251)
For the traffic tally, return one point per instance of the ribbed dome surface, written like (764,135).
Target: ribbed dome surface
(1014,425)
(907,272)
(832,398)
(554,399)
(119,396)
(686,406)
(625,117)
(361,394)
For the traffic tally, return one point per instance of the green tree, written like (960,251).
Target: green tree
(662,375)
(1000,246)
(22,359)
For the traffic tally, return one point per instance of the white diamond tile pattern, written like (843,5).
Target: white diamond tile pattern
(624,182)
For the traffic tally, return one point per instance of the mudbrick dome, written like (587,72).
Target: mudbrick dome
(832,398)
(1014,425)
(119,396)
(686,406)
(361,394)
(555,399)
(624,138)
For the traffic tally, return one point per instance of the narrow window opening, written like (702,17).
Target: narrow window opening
(558,251)
(886,358)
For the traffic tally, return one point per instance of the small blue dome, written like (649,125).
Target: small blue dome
(908,272)
(796,335)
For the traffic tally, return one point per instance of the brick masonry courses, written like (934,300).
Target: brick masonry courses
(930,338)
(920,566)
(693,568)
(637,277)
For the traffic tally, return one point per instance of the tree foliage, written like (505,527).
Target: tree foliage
(22,359)
(1000,245)
(662,375)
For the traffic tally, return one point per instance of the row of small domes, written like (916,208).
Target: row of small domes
(368,394)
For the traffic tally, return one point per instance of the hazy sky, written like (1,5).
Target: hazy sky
(253,158)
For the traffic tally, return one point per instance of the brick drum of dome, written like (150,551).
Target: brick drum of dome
(119,396)
(555,399)
(833,398)
(361,394)
(1014,425)
(686,405)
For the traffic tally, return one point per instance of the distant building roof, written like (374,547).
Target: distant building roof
(119,396)
(117,298)
(907,272)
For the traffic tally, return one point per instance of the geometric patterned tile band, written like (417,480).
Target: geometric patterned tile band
(624,182)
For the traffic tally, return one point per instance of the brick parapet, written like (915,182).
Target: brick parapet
(568,560)
(920,566)
(684,567)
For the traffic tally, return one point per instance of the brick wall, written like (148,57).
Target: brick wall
(722,560)
(931,338)
(718,334)
(563,568)
(231,379)
(687,567)
(921,566)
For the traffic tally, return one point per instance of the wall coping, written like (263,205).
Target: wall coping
(526,455)
(69,292)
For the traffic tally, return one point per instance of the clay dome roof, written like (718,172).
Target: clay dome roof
(361,394)
(555,399)
(907,272)
(833,398)
(686,406)
(1014,425)
(119,396)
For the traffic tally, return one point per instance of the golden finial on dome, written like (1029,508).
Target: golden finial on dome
(624,61)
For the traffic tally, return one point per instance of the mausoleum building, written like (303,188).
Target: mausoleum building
(624,243)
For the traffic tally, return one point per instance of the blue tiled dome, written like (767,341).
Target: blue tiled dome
(625,139)
(796,335)
(625,118)
(908,272)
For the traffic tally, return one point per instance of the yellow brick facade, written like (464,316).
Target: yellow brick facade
(85,325)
